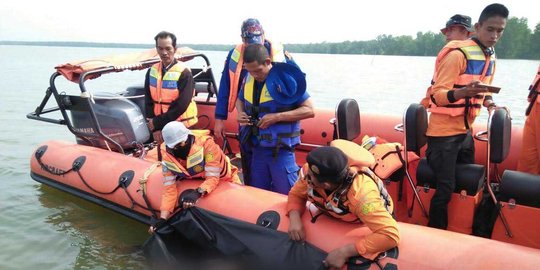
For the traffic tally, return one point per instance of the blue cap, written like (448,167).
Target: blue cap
(252,31)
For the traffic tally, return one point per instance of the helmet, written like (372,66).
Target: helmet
(174,133)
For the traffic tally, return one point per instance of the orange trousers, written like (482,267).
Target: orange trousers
(529,159)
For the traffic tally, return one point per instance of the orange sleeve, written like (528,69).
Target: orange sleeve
(451,66)
(298,194)
(169,195)
(367,205)
(213,165)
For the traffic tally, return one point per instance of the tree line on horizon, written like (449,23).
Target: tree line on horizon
(518,42)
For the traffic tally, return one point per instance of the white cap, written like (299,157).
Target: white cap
(174,133)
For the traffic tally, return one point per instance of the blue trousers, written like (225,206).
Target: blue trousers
(277,173)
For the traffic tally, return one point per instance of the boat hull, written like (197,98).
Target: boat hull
(420,247)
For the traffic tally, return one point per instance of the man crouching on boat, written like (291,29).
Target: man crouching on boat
(342,186)
(190,154)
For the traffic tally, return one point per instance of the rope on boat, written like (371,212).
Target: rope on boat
(144,178)
(142,181)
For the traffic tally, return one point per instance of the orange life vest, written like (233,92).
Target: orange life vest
(199,164)
(236,64)
(164,90)
(205,161)
(388,157)
(336,203)
(479,67)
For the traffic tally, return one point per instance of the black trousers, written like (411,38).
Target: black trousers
(443,153)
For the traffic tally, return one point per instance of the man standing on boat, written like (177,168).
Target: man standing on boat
(232,76)
(529,159)
(271,103)
(337,180)
(455,100)
(458,27)
(168,88)
(191,154)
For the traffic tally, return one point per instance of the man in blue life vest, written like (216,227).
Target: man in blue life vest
(456,98)
(168,89)
(232,76)
(271,103)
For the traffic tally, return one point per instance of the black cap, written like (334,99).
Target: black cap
(459,19)
(328,162)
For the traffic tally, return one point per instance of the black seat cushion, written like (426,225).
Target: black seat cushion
(348,119)
(469,177)
(500,135)
(415,127)
(524,188)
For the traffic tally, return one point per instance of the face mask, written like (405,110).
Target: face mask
(181,151)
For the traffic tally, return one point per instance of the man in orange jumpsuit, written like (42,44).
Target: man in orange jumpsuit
(325,179)
(529,159)
(190,154)
(458,27)
(456,98)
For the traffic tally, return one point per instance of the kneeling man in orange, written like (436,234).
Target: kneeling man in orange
(341,185)
(190,154)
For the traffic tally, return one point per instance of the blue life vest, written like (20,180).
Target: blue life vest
(281,134)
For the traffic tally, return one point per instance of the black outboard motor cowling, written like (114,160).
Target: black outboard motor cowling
(118,117)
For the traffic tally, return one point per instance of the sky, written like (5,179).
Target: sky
(218,22)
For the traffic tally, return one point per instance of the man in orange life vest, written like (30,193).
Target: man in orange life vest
(271,102)
(455,100)
(168,88)
(232,76)
(190,155)
(458,27)
(342,186)
(529,159)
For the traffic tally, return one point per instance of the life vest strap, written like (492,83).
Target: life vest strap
(161,102)
(269,137)
(263,109)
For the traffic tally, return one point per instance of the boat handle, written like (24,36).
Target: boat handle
(399,127)
(481,136)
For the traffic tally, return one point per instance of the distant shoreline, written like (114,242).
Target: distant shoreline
(212,47)
(425,44)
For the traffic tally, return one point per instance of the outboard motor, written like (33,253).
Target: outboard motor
(118,117)
(135,94)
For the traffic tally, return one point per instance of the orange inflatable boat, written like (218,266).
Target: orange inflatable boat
(110,166)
